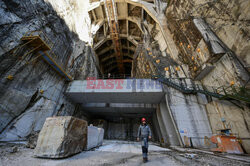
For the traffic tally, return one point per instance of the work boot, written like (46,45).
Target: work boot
(145,159)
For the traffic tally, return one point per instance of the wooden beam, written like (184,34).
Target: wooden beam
(142,14)
(111,68)
(105,50)
(113,56)
(128,47)
(134,37)
(101,42)
(111,63)
(95,27)
(133,19)
(130,38)
(105,29)
(127,24)
(127,61)
(127,9)
(93,14)
(148,7)
(103,15)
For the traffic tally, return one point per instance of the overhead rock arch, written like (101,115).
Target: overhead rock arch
(132,16)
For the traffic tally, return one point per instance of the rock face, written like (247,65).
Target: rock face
(228,21)
(212,51)
(61,137)
(228,18)
(36,91)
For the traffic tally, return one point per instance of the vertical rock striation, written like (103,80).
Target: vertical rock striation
(36,90)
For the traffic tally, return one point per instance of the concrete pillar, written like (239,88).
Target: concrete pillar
(168,123)
(164,133)
(157,128)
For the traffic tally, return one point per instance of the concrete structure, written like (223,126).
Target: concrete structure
(116,109)
(115,91)
(164,134)
(168,122)
(179,124)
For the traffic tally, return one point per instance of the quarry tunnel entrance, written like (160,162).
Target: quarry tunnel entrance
(128,39)
(131,40)
(117,105)
(120,30)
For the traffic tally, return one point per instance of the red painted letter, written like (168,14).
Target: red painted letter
(119,82)
(91,82)
(100,84)
(110,84)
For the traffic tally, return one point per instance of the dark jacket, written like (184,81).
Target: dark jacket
(144,131)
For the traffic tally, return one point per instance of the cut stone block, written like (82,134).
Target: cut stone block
(61,137)
(95,137)
(100,136)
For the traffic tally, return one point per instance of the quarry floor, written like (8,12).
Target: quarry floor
(125,153)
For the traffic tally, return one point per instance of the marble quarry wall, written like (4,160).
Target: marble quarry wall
(206,41)
(36,90)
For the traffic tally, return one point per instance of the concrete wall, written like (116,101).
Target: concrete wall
(126,128)
(158,134)
(169,124)
(237,119)
(189,112)
(115,91)
(164,134)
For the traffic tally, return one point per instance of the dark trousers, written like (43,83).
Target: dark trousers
(144,152)
(144,147)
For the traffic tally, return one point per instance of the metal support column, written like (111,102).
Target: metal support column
(111,12)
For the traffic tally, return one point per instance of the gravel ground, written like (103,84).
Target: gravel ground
(113,153)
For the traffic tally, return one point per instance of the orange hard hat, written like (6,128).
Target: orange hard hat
(143,119)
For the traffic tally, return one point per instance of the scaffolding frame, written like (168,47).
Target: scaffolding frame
(111,12)
(39,44)
(230,93)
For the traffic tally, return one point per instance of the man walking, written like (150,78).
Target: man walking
(144,134)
